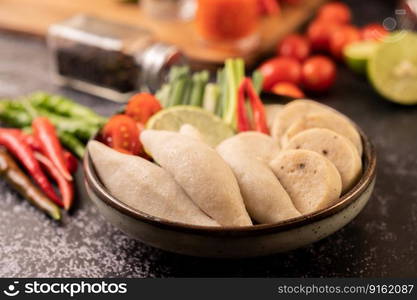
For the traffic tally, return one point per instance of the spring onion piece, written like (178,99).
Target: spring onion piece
(163,94)
(235,71)
(211,97)
(257,80)
(177,92)
(199,83)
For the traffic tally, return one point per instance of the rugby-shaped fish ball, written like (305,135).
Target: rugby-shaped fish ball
(253,144)
(329,120)
(201,172)
(338,149)
(292,112)
(310,179)
(145,186)
(264,197)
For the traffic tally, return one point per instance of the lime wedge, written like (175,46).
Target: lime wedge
(392,69)
(211,127)
(357,55)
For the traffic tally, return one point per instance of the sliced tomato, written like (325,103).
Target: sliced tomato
(122,134)
(142,106)
(288,89)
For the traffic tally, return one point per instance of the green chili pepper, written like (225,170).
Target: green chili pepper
(66,107)
(18,180)
(71,143)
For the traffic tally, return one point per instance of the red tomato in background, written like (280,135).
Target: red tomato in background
(374,32)
(122,134)
(291,1)
(142,106)
(319,73)
(280,69)
(319,33)
(294,45)
(342,37)
(287,89)
(335,12)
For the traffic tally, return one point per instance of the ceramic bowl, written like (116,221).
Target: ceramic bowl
(257,240)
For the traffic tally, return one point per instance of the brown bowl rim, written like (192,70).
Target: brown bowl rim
(368,174)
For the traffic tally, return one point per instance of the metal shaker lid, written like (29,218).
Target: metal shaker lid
(156,61)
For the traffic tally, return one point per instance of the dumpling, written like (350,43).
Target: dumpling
(145,186)
(329,120)
(292,112)
(338,149)
(310,179)
(201,172)
(264,197)
(253,144)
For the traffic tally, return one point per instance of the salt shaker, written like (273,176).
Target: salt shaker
(107,59)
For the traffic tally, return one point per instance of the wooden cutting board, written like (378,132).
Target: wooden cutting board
(34,16)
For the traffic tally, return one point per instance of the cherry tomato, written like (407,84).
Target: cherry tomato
(268,7)
(122,134)
(280,69)
(342,37)
(335,12)
(287,89)
(374,32)
(294,45)
(292,1)
(319,73)
(142,106)
(319,33)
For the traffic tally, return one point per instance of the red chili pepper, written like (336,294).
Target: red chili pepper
(243,123)
(65,187)
(259,116)
(44,131)
(32,142)
(13,141)
(71,162)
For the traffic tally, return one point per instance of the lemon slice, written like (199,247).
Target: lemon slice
(392,69)
(357,55)
(211,127)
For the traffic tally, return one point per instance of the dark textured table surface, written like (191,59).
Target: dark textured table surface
(381,241)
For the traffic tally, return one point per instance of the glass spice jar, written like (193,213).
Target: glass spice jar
(169,9)
(106,59)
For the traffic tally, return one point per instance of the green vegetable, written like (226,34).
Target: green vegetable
(211,97)
(199,82)
(65,107)
(163,94)
(177,93)
(14,117)
(21,118)
(71,143)
(257,80)
(234,75)
(221,82)
(10,171)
